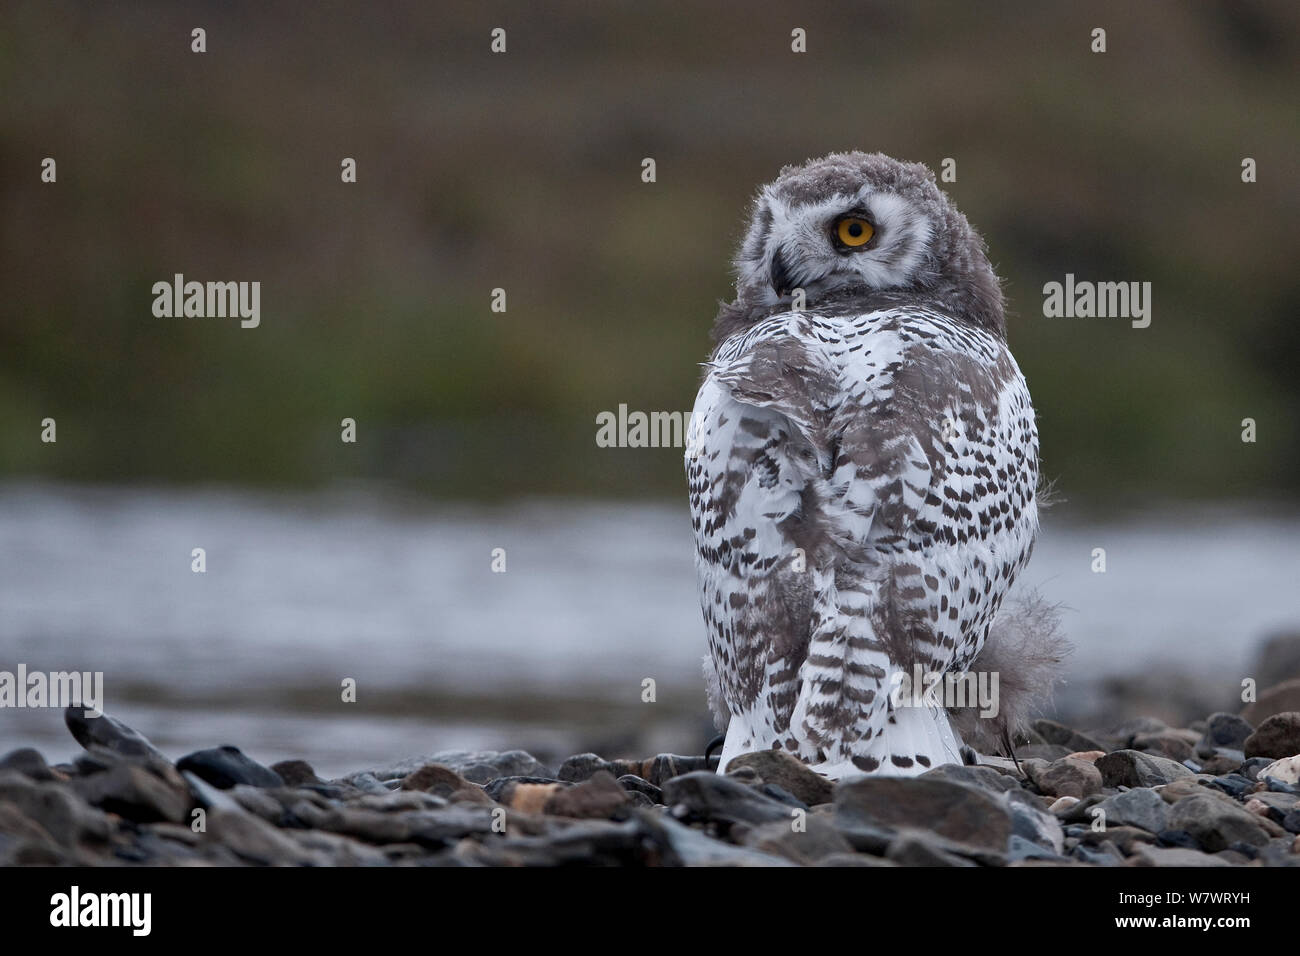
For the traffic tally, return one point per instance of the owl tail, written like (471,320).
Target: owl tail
(914,740)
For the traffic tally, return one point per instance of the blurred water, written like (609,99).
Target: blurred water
(301,592)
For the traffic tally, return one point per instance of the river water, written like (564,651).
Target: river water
(304,592)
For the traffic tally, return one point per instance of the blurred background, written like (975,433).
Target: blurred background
(476,429)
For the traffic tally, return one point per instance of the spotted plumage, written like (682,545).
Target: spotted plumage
(862,464)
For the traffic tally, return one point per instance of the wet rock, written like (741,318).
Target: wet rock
(1276,737)
(634,784)
(581,767)
(817,840)
(1137,808)
(340,850)
(704,795)
(919,848)
(28,762)
(296,773)
(664,767)
(226,766)
(399,801)
(1278,699)
(686,846)
(1174,856)
(526,794)
(109,733)
(958,812)
(475,766)
(1216,824)
(1031,821)
(1286,770)
(55,808)
(1067,777)
(778,768)
(367,782)
(1177,838)
(986,778)
(1054,733)
(1126,839)
(598,797)
(133,792)
(1233,784)
(1166,744)
(228,825)
(1132,768)
(435,779)
(1222,762)
(1020,849)
(1104,854)
(1223,730)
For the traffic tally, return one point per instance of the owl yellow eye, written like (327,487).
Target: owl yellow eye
(852,231)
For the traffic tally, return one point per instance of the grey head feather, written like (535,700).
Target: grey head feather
(923,253)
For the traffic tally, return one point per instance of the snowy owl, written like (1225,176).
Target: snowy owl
(862,462)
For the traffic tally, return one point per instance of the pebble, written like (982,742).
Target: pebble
(955,811)
(224,767)
(784,770)
(122,802)
(1224,730)
(1215,824)
(1132,768)
(1277,737)
(1067,777)
(1138,808)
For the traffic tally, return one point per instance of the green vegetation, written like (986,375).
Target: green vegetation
(522,171)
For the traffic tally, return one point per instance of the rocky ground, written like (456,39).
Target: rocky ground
(1219,793)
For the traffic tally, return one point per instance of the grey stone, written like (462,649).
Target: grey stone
(475,766)
(1067,777)
(918,848)
(1137,808)
(704,795)
(226,766)
(1276,737)
(1033,822)
(987,778)
(133,792)
(55,808)
(957,812)
(663,767)
(1216,823)
(778,768)
(1132,768)
(110,733)
(1174,856)
(817,840)
(29,762)
(1223,730)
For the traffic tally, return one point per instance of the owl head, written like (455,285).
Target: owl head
(860,230)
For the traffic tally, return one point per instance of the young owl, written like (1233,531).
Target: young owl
(862,462)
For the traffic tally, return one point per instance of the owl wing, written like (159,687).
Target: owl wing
(868,447)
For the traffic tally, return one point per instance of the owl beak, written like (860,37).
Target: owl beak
(780,274)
